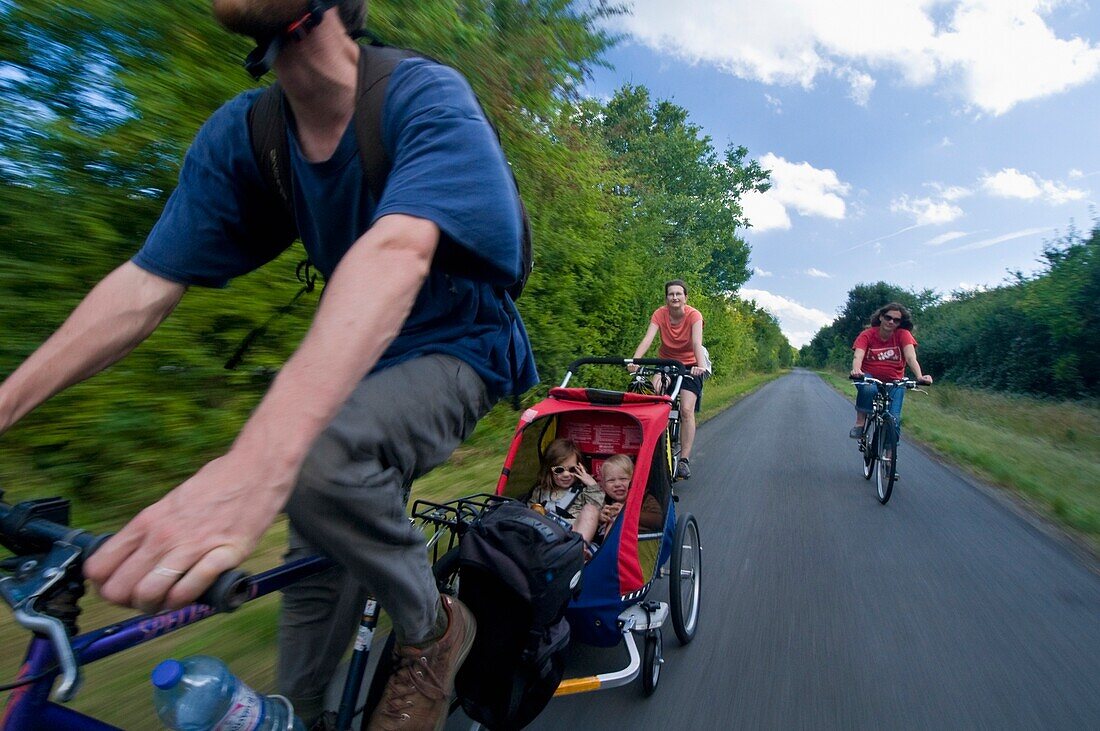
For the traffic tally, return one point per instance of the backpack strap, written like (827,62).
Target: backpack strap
(376,65)
(267,124)
(271,148)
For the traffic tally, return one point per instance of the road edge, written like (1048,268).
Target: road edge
(1018,505)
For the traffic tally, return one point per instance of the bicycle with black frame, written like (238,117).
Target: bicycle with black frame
(662,377)
(881,432)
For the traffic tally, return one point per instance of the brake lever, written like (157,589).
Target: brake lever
(23,590)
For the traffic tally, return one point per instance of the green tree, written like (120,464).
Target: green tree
(681,194)
(1029,335)
(1032,334)
(831,346)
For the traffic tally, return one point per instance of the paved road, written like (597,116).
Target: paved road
(823,609)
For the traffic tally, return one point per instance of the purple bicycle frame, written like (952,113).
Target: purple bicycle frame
(28,708)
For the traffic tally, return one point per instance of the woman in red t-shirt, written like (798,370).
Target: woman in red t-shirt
(681,329)
(882,351)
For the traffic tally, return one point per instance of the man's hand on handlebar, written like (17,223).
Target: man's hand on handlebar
(856,375)
(925,380)
(174,549)
(698,371)
(632,367)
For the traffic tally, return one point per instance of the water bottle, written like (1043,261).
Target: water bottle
(199,693)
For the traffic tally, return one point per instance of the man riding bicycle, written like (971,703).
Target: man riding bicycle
(882,351)
(414,339)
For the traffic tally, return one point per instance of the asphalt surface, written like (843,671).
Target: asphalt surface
(824,609)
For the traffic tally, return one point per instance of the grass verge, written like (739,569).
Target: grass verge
(1045,451)
(116,689)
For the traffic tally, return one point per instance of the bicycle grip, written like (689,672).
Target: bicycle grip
(228,592)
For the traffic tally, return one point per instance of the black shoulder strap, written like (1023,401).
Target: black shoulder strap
(376,65)
(267,128)
(267,125)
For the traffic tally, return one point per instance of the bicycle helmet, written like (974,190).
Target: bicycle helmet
(274,23)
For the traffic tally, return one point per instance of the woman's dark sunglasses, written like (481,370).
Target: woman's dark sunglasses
(558,469)
(891,319)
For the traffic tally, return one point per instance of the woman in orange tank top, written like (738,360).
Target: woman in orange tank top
(681,330)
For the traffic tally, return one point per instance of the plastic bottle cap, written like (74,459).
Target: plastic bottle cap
(167,674)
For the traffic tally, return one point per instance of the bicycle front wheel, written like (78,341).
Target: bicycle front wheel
(887,465)
(869,444)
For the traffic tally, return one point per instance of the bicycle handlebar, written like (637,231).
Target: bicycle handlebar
(903,382)
(677,368)
(25,534)
(47,551)
(674,369)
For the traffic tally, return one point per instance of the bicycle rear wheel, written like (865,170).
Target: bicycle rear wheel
(887,466)
(445,571)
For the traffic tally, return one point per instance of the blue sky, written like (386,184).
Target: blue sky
(930,143)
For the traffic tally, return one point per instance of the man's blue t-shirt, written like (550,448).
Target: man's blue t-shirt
(447,167)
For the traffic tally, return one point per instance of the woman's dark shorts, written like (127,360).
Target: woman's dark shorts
(695,385)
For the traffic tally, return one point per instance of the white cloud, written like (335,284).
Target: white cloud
(993,241)
(963,289)
(860,86)
(972,287)
(876,241)
(808,190)
(775,103)
(952,192)
(900,264)
(818,273)
(1011,183)
(1058,193)
(798,322)
(944,238)
(764,212)
(1074,173)
(926,211)
(946,142)
(994,54)
(1008,54)
(758,272)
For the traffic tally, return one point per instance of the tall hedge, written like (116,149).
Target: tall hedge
(1033,334)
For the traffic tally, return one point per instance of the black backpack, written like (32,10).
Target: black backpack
(267,126)
(517,572)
